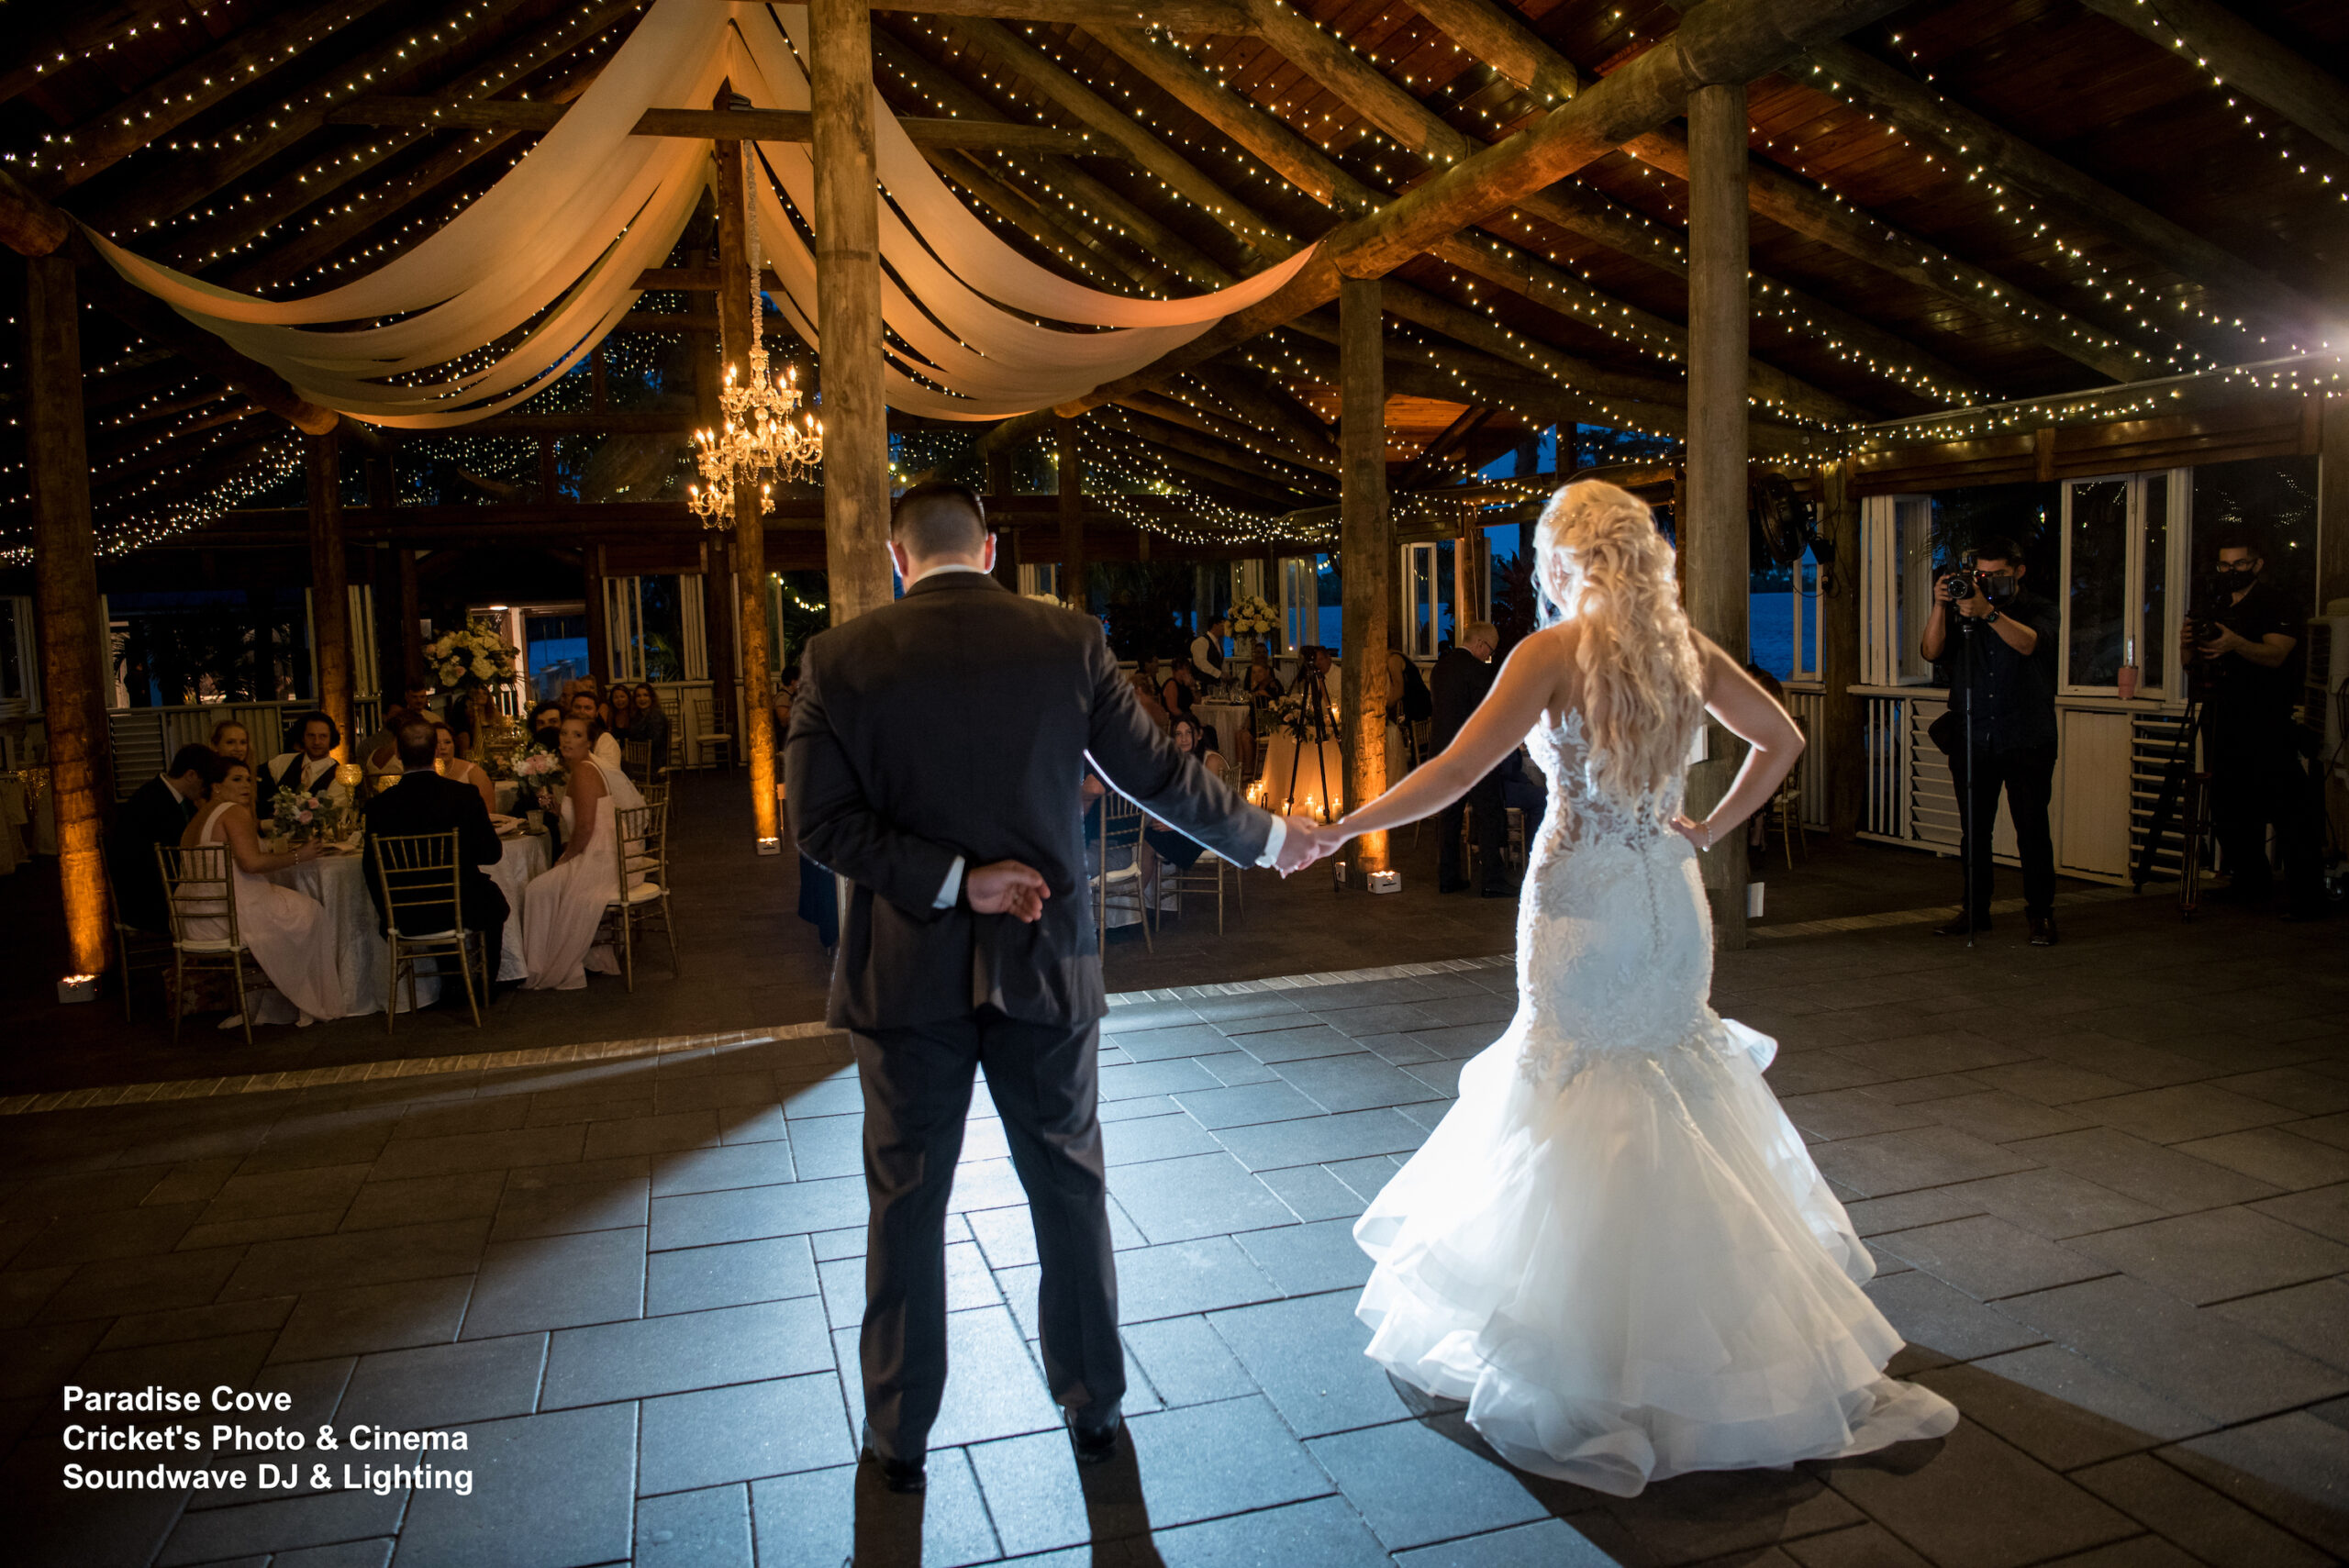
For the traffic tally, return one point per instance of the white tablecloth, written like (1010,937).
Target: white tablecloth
(340,883)
(1227,720)
(1303,790)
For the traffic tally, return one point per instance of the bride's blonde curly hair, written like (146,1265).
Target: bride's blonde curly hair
(1601,564)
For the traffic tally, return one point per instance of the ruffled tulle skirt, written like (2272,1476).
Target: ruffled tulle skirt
(1635,1273)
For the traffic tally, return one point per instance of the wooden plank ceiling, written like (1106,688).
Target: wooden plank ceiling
(2139,219)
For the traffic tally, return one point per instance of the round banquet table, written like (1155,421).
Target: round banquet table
(1227,719)
(1303,793)
(340,883)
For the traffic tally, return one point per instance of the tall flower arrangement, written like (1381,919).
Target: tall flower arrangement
(1251,617)
(472,657)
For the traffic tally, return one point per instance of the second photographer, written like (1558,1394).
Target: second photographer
(2240,645)
(1998,641)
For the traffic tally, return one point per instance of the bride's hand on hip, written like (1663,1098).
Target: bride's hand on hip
(1697,833)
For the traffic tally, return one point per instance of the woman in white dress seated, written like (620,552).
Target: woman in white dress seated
(289,932)
(565,903)
(1615,1247)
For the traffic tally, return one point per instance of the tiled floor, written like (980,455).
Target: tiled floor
(2108,1186)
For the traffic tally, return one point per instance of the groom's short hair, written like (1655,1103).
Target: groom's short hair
(940,518)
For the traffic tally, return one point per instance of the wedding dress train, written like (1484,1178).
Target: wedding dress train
(1615,1247)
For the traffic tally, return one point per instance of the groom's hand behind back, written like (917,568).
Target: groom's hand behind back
(1006,888)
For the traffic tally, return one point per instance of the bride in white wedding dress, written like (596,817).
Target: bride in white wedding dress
(1615,1247)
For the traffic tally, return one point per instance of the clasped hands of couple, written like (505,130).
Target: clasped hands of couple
(1012,887)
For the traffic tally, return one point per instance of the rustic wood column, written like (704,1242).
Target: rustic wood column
(330,584)
(411,624)
(1007,533)
(1464,577)
(2332,502)
(1842,737)
(848,278)
(1077,572)
(599,633)
(65,581)
(1366,537)
(1715,572)
(736,301)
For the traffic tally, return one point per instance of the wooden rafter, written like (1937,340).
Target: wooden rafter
(249,55)
(2241,56)
(37,48)
(246,146)
(1958,133)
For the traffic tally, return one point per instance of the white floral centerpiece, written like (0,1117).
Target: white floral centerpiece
(297,815)
(468,663)
(1250,619)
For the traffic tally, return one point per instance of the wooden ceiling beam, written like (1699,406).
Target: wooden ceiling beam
(1230,17)
(1257,397)
(192,176)
(1422,467)
(39,48)
(1279,146)
(1806,210)
(1481,332)
(990,44)
(1500,36)
(247,55)
(1211,423)
(319,179)
(1171,425)
(2216,40)
(1957,133)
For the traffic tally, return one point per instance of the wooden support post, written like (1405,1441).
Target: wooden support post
(847,274)
(411,624)
(1366,535)
(1712,528)
(2332,503)
(1006,534)
(330,584)
(1842,739)
(736,301)
(599,633)
(65,579)
(1464,608)
(1077,572)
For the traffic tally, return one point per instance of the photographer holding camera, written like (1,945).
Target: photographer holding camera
(2003,659)
(2240,644)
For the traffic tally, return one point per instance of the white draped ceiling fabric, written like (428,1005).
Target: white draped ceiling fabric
(523,285)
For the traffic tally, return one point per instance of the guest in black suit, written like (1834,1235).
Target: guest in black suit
(935,758)
(308,763)
(1463,676)
(158,812)
(424,802)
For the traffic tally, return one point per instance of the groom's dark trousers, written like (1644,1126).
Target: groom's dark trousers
(955,725)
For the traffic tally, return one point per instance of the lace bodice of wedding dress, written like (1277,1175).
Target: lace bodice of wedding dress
(1614,939)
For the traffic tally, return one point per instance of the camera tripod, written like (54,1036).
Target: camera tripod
(1315,697)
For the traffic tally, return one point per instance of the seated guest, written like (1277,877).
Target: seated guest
(379,754)
(310,763)
(1407,698)
(584,706)
(1178,691)
(292,936)
(1159,842)
(649,721)
(1146,682)
(449,765)
(545,719)
(623,702)
(158,812)
(1263,686)
(426,802)
(232,740)
(564,904)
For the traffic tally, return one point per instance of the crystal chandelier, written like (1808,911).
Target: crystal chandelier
(763,438)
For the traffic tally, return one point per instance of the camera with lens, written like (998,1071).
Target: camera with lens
(1966,581)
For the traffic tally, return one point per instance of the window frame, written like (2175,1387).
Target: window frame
(2177,509)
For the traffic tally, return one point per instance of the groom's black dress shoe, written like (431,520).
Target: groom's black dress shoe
(1096,1445)
(896,1474)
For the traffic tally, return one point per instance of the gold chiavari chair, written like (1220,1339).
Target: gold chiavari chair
(1121,822)
(140,949)
(1208,872)
(707,737)
(201,898)
(643,891)
(419,875)
(636,761)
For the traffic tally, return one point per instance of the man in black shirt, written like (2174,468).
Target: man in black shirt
(1463,674)
(2003,662)
(2243,649)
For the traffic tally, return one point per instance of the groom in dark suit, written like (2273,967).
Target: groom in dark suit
(935,749)
(158,812)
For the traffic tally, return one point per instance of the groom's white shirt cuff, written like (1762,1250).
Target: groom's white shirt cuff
(953,883)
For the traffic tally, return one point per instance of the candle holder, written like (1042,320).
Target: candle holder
(78,988)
